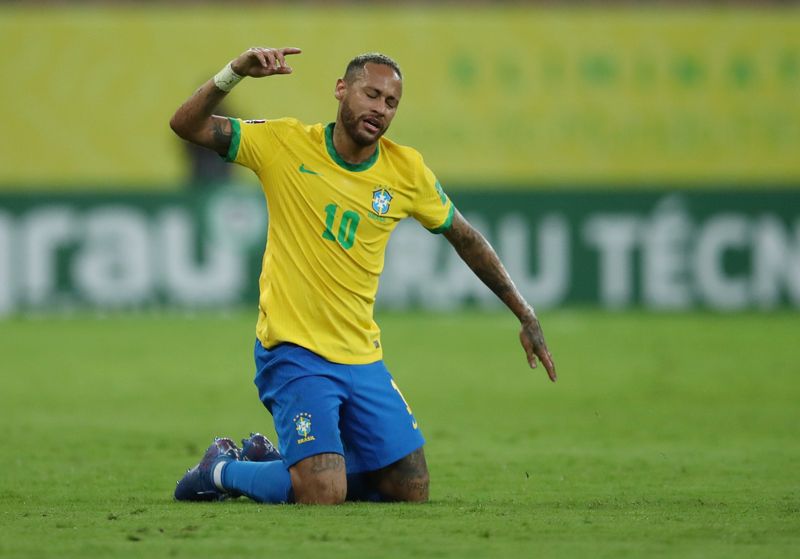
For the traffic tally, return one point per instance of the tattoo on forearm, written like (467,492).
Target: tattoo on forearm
(479,255)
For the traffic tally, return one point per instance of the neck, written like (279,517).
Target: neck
(349,150)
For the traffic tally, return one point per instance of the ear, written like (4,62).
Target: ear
(339,91)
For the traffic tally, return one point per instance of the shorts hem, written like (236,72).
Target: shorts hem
(362,468)
(289,463)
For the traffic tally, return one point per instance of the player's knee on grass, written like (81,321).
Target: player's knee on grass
(405,480)
(319,480)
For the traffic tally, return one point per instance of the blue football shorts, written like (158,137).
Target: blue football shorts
(323,407)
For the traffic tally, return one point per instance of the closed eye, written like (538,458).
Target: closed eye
(372,93)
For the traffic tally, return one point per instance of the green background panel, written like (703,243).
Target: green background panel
(660,249)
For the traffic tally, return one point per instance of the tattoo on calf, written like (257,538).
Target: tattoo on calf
(411,474)
(413,465)
(415,486)
(326,462)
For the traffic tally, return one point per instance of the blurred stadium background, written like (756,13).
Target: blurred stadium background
(617,155)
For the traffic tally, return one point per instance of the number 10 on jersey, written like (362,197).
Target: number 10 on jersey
(347,226)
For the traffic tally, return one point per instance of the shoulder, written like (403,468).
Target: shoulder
(279,124)
(285,129)
(402,157)
(283,124)
(288,127)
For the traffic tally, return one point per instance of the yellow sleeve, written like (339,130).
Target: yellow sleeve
(432,207)
(254,143)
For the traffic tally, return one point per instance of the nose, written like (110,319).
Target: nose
(379,107)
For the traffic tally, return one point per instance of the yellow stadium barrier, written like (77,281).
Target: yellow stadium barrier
(516,96)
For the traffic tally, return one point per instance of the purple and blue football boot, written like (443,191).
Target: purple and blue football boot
(198,483)
(258,448)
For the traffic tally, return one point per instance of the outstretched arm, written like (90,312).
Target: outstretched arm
(194,121)
(479,255)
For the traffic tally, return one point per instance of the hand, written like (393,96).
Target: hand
(258,62)
(532,339)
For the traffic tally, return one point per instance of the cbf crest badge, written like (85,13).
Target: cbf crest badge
(302,424)
(381,198)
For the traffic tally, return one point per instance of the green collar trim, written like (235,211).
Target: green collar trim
(338,158)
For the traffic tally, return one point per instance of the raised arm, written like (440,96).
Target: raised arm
(479,255)
(194,121)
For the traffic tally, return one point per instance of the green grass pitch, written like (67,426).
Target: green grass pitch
(673,435)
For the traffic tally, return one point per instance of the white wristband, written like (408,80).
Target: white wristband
(226,78)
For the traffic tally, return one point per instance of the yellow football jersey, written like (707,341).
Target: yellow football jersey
(329,223)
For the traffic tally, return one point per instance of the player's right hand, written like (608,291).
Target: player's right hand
(258,62)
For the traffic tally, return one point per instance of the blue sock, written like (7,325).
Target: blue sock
(270,482)
(264,482)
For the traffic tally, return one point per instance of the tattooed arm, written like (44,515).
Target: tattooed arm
(194,121)
(479,255)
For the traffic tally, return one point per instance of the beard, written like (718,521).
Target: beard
(351,125)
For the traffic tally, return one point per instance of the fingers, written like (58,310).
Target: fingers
(545,358)
(274,59)
(282,68)
(259,54)
(271,59)
(260,61)
(280,55)
(550,367)
(530,352)
(535,346)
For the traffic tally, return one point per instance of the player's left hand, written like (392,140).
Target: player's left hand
(532,339)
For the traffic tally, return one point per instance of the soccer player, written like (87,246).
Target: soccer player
(334,194)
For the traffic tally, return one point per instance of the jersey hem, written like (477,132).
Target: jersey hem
(338,359)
